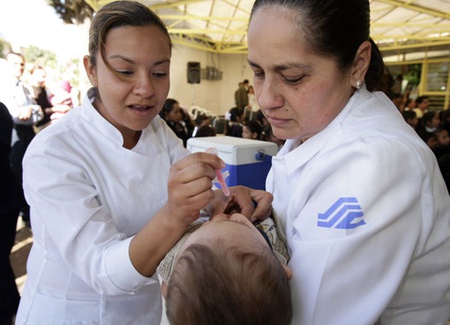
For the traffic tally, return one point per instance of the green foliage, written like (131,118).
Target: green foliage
(5,47)
(72,11)
(39,56)
(413,74)
(58,71)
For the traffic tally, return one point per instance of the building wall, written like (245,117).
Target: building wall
(216,96)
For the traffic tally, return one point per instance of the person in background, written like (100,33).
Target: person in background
(429,123)
(26,114)
(111,188)
(269,136)
(444,165)
(263,120)
(252,102)
(422,104)
(206,131)
(411,118)
(10,192)
(251,130)
(442,146)
(63,94)
(52,104)
(200,121)
(226,263)
(236,92)
(429,138)
(396,89)
(187,122)
(242,96)
(266,132)
(410,104)
(445,119)
(62,99)
(171,113)
(234,128)
(41,94)
(369,242)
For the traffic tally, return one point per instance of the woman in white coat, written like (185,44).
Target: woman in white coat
(363,203)
(111,188)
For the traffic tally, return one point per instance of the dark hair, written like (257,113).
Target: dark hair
(409,100)
(200,118)
(336,28)
(408,115)
(255,127)
(120,14)
(226,285)
(168,106)
(428,117)
(420,99)
(427,137)
(206,131)
(259,116)
(234,114)
(439,131)
(445,114)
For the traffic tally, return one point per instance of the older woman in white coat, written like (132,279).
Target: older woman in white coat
(363,203)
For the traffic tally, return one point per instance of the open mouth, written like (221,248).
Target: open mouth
(140,108)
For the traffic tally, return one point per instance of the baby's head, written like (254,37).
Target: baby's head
(226,273)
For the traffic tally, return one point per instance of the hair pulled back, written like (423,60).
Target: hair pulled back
(336,28)
(120,14)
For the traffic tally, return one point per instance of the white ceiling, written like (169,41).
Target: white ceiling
(398,26)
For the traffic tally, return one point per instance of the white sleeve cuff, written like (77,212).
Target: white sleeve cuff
(121,271)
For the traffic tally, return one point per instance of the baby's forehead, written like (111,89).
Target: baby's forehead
(224,231)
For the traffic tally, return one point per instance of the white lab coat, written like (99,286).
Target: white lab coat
(88,197)
(367,218)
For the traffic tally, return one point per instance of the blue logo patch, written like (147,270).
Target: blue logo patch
(345,213)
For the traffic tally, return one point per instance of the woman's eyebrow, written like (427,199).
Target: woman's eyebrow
(284,66)
(121,57)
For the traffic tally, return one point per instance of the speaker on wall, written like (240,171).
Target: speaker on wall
(193,72)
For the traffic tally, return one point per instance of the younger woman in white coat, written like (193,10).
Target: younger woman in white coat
(364,205)
(111,188)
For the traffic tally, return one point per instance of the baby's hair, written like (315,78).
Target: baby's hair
(225,285)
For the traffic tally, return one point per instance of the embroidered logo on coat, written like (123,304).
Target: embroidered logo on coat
(345,213)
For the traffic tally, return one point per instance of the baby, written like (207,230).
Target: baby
(228,270)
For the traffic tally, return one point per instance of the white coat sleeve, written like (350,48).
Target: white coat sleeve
(395,262)
(69,219)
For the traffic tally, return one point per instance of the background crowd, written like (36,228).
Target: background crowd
(244,120)
(433,127)
(28,105)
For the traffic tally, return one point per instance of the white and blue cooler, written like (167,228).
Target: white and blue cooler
(247,161)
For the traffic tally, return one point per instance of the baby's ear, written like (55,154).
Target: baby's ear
(288,271)
(164,289)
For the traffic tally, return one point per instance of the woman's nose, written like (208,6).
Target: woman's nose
(144,86)
(269,95)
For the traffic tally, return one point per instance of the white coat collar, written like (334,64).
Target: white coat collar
(295,155)
(91,114)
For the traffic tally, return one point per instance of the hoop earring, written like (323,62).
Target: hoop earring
(358,84)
